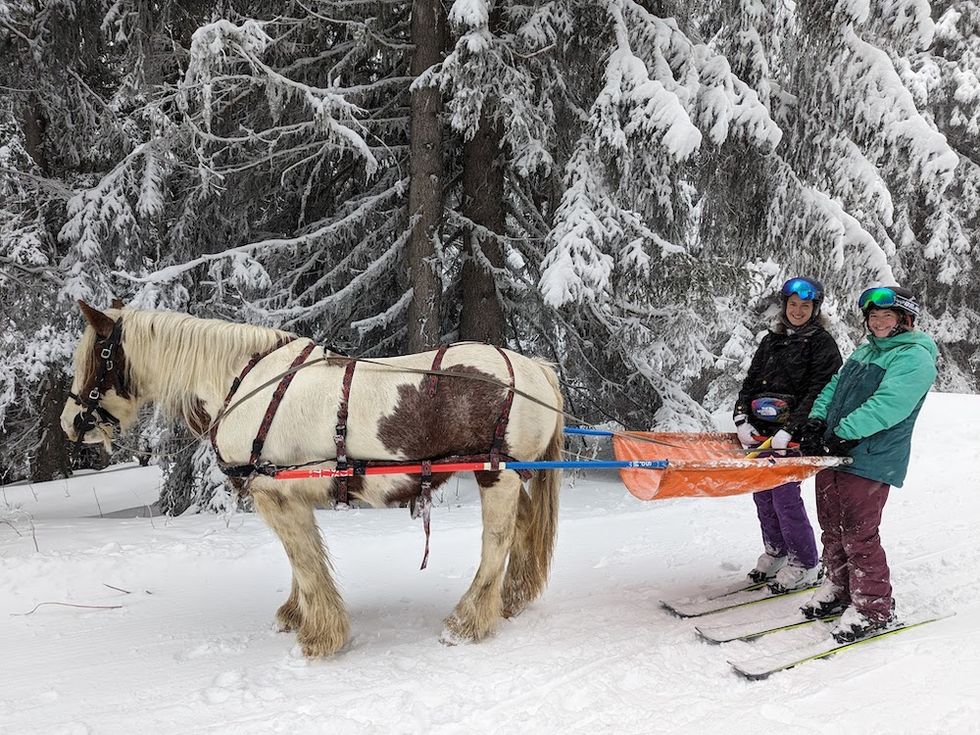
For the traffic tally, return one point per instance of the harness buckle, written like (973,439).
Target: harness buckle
(94,394)
(106,353)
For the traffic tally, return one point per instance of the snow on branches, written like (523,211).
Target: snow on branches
(662,96)
(218,48)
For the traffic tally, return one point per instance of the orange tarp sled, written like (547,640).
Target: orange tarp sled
(705,465)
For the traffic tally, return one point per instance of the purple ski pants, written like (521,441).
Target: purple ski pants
(785,527)
(849,510)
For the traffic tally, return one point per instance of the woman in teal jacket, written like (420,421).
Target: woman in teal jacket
(867,412)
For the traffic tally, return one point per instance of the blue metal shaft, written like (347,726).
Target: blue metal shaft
(626,464)
(585,431)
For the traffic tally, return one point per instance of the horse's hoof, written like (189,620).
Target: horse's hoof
(288,618)
(512,610)
(450,637)
(320,649)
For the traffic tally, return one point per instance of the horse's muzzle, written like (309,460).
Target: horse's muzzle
(83,423)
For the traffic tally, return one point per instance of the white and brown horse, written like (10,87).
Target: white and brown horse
(127,357)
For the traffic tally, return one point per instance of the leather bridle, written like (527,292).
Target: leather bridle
(94,413)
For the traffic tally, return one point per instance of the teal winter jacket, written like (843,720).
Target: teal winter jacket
(875,398)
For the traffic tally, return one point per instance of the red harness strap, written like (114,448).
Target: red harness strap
(253,361)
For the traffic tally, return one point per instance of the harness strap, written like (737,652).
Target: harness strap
(424,506)
(340,436)
(273,407)
(500,430)
(436,365)
(253,361)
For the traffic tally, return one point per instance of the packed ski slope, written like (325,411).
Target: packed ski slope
(190,645)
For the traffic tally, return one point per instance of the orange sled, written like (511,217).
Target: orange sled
(706,465)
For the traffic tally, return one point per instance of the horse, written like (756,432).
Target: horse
(186,365)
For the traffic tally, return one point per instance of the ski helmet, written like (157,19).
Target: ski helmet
(808,289)
(895,298)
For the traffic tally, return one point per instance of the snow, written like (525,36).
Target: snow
(191,645)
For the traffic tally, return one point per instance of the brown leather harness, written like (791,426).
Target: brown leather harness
(422,503)
(256,466)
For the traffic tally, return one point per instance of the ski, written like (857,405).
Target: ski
(760,667)
(754,629)
(749,595)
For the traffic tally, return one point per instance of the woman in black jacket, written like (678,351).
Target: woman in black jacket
(792,364)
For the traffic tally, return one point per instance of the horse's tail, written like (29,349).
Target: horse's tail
(537,519)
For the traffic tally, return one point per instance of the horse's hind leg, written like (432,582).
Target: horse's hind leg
(520,582)
(476,614)
(314,606)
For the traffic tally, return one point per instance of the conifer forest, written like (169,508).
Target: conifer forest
(616,186)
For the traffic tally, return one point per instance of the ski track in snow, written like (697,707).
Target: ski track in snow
(193,646)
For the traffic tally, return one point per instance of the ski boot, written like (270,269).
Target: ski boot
(794,576)
(828,600)
(854,625)
(766,567)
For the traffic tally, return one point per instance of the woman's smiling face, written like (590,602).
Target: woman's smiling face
(881,322)
(798,311)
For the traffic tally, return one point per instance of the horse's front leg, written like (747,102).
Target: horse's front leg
(314,607)
(476,614)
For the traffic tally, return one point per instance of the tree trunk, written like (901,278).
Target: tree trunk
(30,115)
(50,460)
(427,171)
(482,317)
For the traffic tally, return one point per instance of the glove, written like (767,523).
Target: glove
(780,440)
(746,431)
(810,436)
(837,447)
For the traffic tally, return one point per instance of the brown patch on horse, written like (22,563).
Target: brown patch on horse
(412,486)
(460,419)
(199,420)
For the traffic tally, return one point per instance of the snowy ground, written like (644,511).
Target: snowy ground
(191,646)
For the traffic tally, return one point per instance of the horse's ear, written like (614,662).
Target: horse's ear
(100,322)
(117,304)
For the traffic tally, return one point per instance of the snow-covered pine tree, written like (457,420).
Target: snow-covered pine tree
(943,262)
(638,287)
(862,189)
(56,127)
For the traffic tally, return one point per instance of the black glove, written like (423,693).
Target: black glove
(810,436)
(837,447)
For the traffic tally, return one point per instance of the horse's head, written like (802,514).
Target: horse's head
(101,401)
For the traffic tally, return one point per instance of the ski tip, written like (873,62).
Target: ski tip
(750,675)
(674,611)
(705,637)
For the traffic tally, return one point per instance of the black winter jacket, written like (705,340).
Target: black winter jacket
(796,365)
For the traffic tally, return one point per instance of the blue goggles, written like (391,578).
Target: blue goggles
(884,297)
(804,288)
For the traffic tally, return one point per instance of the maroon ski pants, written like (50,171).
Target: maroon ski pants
(849,511)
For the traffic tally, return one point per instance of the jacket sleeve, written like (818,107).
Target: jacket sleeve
(819,408)
(904,384)
(750,385)
(825,361)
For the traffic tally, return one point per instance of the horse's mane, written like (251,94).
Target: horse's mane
(173,356)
